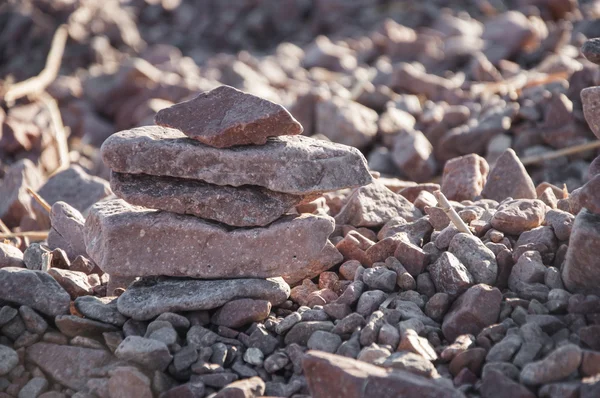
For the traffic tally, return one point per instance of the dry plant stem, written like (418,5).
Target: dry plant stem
(451,213)
(38,84)
(33,235)
(60,135)
(560,152)
(40,200)
(4,228)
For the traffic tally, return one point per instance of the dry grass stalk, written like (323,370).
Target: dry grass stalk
(445,205)
(33,235)
(40,200)
(4,228)
(38,84)
(560,152)
(60,135)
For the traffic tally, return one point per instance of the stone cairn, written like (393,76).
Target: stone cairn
(206,194)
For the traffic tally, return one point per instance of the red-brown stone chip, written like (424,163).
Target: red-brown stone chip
(225,117)
(125,240)
(245,206)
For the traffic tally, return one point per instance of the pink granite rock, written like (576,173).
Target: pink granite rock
(225,116)
(244,206)
(580,271)
(16,202)
(475,309)
(177,245)
(238,313)
(346,122)
(516,216)
(508,178)
(590,98)
(374,205)
(291,164)
(464,177)
(413,154)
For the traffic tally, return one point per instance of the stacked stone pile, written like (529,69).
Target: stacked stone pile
(225,172)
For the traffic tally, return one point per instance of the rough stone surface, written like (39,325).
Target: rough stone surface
(237,313)
(17,285)
(374,205)
(475,309)
(73,186)
(66,231)
(476,257)
(291,164)
(347,122)
(10,256)
(580,273)
(16,202)
(225,116)
(150,353)
(558,365)
(71,366)
(464,177)
(177,245)
(244,206)
(590,98)
(103,309)
(591,50)
(129,382)
(516,216)
(333,376)
(9,359)
(74,282)
(150,297)
(449,275)
(246,388)
(508,178)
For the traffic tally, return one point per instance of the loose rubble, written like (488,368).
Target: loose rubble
(265,222)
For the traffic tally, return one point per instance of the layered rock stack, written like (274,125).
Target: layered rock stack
(207,194)
(581,272)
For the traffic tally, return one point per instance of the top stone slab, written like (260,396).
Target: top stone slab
(291,164)
(225,117)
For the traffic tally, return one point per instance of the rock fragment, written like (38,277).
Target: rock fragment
(166,243)
(244,206)
(580,270)
(225,117)
(150,297)
(290,164)
(508,178)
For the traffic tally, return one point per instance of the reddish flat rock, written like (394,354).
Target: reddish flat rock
(244,206)
(292,164)
(332,376)
(71,366)
(178,245)
(225,116)
(590,98)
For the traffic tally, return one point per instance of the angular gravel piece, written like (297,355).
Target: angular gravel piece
(180,245)
(149,297)
(292,164)
(225,116)
(35,289)
(244,206)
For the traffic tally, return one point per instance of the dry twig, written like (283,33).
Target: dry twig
(38,84)
(560,152)
(60,135)
(33,235)
(451,213)
(3,227)
(40,200)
